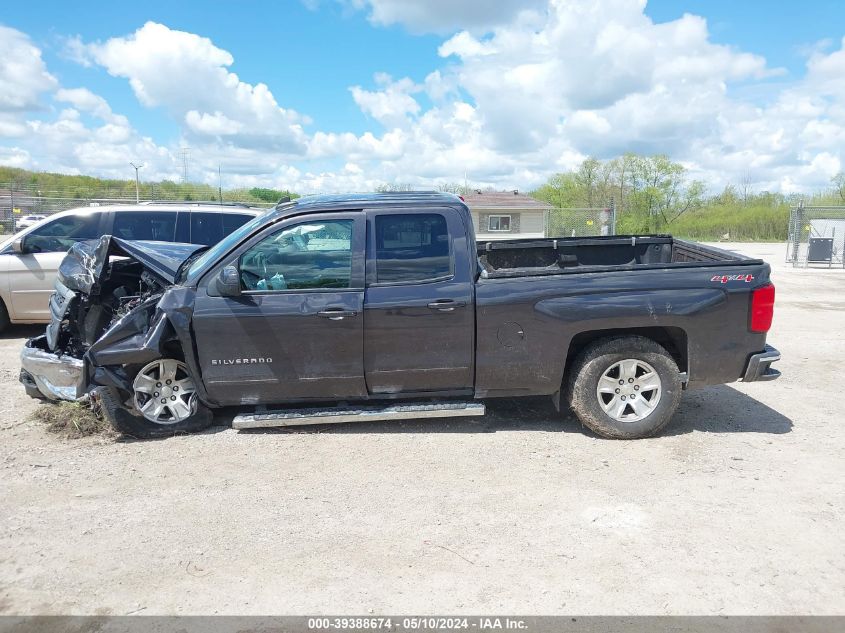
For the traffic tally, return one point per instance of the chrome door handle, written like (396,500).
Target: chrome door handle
(446,305)
(336,314)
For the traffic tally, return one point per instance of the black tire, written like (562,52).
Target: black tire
(599,357)
(126,420)
(4,317)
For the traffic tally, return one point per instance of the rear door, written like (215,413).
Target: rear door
(154,225)
(419,324)
(296,332)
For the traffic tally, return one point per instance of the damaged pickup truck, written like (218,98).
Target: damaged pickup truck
(383,307)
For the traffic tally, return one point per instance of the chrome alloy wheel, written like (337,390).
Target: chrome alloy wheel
(165,392)
(629,390)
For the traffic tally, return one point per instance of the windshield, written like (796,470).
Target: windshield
(213,253)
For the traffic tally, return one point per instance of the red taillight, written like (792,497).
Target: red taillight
(762,308)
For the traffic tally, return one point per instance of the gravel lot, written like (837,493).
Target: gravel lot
(735,509)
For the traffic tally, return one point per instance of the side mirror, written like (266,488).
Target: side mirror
(18,245)
(229,282)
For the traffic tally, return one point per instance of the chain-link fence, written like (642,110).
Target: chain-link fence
(580,222)
(19,201)
(816,236)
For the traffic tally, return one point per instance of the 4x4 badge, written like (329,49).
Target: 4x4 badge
(726,278)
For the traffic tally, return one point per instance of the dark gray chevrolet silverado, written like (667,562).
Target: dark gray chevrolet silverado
(382,306)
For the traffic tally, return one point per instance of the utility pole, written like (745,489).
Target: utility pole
(137,183)
(219,184)
(185,155)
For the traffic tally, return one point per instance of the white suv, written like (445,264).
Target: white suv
(30,259)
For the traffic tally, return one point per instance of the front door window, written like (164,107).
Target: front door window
(62,233)
(306,256)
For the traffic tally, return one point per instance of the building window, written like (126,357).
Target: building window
(499,223)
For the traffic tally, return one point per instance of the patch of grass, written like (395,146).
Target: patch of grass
(715,222)
(72,420)
(734,223)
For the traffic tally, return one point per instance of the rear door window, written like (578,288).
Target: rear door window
(158,226)
(412,248)
(206,228)
(232,221)
(210,228)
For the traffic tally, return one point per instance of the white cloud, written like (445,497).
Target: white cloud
(606,57)
(188,76)
(23,75)
(443,16)
(391,105)
(86,101)
(23,81)
(42,124)
(217,124)
(14,157)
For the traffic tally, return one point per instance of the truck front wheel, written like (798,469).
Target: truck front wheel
(625,387)
(164,402)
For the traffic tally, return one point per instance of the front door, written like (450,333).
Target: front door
(32,280)
(419,324)
(296,332)
(32,275)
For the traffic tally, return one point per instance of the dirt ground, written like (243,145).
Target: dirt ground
(735,509)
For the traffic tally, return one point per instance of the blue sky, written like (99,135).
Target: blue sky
(457,88)
(283,44)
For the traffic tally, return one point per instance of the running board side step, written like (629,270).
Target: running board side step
(329,415)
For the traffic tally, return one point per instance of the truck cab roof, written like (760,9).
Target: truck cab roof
(335,202)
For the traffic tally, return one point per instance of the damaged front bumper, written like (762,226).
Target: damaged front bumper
(115,304)
(57,377)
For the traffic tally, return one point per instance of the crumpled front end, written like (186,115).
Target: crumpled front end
(56,377)
(104,313)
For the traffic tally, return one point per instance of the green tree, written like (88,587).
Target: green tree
(588,177)
(561,191)
(839,185)
(267,195)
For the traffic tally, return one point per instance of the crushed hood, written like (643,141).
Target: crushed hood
(83,266)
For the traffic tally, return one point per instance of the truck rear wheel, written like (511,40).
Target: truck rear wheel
(164,402)
(624,387)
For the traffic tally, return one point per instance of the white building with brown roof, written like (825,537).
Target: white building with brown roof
(506,215)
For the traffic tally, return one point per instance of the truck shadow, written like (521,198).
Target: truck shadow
(720,409)
(723,409)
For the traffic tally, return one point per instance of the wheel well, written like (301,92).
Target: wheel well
(173,349)
(674,339)
(5,317)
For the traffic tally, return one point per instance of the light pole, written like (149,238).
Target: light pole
(137,193)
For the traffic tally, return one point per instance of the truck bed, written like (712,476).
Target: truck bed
(555,256)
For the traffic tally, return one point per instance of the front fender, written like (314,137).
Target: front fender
(141,336)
